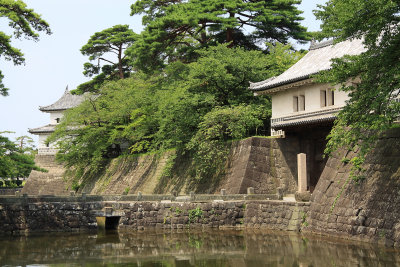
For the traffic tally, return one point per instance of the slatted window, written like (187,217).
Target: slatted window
(327,98)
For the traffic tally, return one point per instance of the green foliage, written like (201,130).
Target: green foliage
(219,77)
(217,127)
(114,41)
(26,144)
(196,108)
(25,23)
(15,161)
(195,214)
(175,30)
(304,219)
(226,72)
(195,243)
(126,190)
(11,183)
(169,165)
(92,133)
(371,78)
(75,186)
(176,210)
(345,160)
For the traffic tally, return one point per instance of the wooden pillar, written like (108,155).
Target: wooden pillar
(302,172)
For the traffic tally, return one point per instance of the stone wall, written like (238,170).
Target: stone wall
(129,174)
(9,191)
(368,210)
(277,215)
(19,214)
(265,164)
(23,215)
(46,183)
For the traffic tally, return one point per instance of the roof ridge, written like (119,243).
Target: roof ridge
(66,101)
(255,84)
(316,45)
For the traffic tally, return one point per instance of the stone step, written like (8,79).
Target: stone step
(289,197)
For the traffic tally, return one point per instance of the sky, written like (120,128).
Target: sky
(55,61)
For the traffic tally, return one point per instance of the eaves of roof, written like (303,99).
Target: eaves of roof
(316,60)
(44,129)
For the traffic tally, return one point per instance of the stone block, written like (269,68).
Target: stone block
(303,196)
(250,190)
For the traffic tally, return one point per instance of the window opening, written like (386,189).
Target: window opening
(329,97)
(295,104)
(302,103)
(323,98)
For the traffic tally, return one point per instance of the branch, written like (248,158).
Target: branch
(100,58)
(113,48)
(245,15)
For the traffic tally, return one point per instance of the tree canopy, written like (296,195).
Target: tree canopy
(149,113)
(175,29)
(189,89)
(371,78)
(16,161)
(114,41)
(25,23)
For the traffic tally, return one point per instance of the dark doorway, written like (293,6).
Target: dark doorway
(108,223)
(312,141)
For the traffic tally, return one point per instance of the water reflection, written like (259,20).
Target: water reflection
(188,248)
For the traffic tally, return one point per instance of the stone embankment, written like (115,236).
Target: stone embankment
(265,164)
(26,214)
(367,210)
(50,182)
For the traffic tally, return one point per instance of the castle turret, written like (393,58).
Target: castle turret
(56,111)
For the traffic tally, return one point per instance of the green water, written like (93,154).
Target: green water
(189,248)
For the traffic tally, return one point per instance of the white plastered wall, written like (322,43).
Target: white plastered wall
(54,116)
(282,102)
(42,140)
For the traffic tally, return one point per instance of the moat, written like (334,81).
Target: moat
(229,247)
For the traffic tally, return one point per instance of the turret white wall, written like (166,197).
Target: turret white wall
(282,102)
(43,148)
(54,116)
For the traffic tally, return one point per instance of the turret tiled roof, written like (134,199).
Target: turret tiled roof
(67,101)
(49,128)
(316,60)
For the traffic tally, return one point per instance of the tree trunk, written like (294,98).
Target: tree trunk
(203,34)
(229,33)
(121,72)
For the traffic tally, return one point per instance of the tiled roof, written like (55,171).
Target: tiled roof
(317,59)
(67,101)
(305,122)
(44,129)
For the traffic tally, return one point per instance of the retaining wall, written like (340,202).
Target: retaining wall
(265,164)
(21,214)
(368,210)
(46,183)
(9,191)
